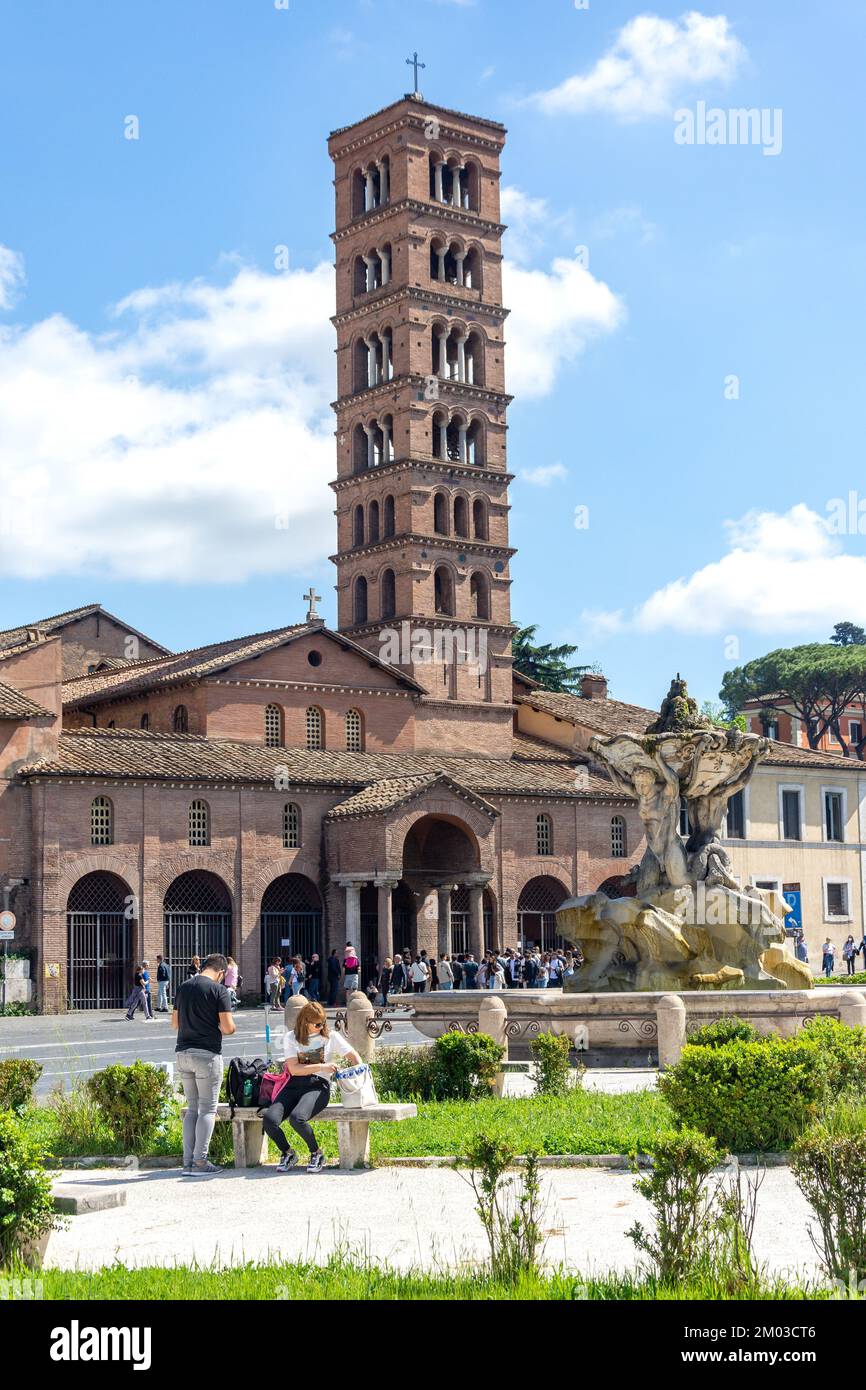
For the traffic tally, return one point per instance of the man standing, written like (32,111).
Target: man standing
(163,975)
(470,972)
(333,978)
(202,1017)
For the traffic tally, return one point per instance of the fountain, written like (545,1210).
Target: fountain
(681,922)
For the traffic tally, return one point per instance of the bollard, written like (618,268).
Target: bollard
(671,1024)
(852,1008)
(492,1018)
(358,1015)
(294,1004)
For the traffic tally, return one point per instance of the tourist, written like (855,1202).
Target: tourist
(334,972)
(399,977)
(231,980)
(384,981)
(351,971)
(203,1017)
(313,978)
(470,972)
(145,980)
(828,957)
(138,998)
(542,972)
(163,979)
(457,971)
(273,975)
(800,949)
(849,952)
(194,967)
(434,973)
(555,968)
(530,972)
(445,973)
(419,974)
(298,975)
(495,978)
(310,1058)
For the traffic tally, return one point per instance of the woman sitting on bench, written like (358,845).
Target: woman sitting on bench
(311,1057)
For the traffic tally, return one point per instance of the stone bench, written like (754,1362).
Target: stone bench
(509,1069)
(353,1130)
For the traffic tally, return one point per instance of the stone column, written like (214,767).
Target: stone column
(456,198)
(440,190)
(462,443)
(671,1023)
(386,919)
(427,921)
(386,441)
(384,190)
(372,364)
(353,916)
(443,440)
(443,352)
(442,254)
(476,922)
(370,277)
(461,358)
(371,446)
(369,193)
(443,941)
(385,258)
(387,370)
(460,257)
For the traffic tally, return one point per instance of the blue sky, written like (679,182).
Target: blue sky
(164,390)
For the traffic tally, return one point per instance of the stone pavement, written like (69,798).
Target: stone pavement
(404,1216)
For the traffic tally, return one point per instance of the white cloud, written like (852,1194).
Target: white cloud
(783,572)
(12,277)
(624,221)
(544,474)
(651,63)
(554,315)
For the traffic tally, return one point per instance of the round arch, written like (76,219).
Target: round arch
(536,912)
(197,920)
(100,918)
(291,919)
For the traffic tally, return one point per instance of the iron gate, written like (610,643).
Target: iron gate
(99,943)
(536,914)
(291,911)
(198,922)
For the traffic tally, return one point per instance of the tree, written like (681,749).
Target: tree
(546,664)
(849,635)
(819,681)
(715,712)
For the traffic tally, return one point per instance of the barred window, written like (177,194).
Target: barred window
(199,823)
(145,721)
(353,731)
(618,848)
(291,826)
(543,835)
(273,726)
(180,722)
(101,821)
(314,728)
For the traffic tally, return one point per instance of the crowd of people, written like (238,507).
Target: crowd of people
(513,968)
(850,952)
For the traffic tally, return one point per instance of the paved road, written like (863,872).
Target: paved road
(71,1046)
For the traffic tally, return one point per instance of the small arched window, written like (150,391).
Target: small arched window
(273,726)
(618,846)
(373,522)
(358,526)
(543,835)
(388,524)
(443,591)
(101,821)
(354,734)
(291,826)
(359,605)
(461,517)
(479,594)
(180,721)
(145,721)
(388,594)
(440,514)
(199,823)
(314,728)
(479,519)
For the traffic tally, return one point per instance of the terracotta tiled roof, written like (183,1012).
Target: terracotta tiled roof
(789,755)
(14,705)
(17,636)
(602,716)
(185,667)
(393,791)
(142,755)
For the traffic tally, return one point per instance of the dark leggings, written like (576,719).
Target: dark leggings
(301,1099)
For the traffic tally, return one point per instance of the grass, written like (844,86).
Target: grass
(347,1277)
(580,1122)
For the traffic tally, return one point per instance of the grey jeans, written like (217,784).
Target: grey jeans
(201,1073)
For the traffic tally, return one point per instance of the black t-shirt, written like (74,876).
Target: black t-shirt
(199,1003)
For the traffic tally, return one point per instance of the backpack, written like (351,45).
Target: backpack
(243,1082)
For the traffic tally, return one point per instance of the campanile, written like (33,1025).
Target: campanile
(422,480)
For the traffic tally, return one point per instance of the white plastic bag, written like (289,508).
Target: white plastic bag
(357,1087)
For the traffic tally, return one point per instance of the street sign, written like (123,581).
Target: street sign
(7,936)
(7,921)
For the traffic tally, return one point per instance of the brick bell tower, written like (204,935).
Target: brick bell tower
(422,487)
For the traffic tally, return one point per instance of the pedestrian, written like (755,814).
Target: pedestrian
(334,972)
(531,971)
(849,951)
(163,978)
(828,957)
(194,967)
(314,978)
(385,980)
(495,974)
(273,976)
(419,974)
(399,977)
(470,972)
(457,971)
(203,1017)
(434,974)
(311,1056)
(145,980)
(231,980)
(298,980)
(445,973)
(138,997)
(351,970)
(800,949)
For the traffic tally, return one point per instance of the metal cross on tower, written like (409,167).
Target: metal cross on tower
(415,65)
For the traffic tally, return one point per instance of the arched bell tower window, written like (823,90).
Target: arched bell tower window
(461,517)
(479,594)
(359,603)
(388,522)
(440,514)
(373,522)
(479,520)
(358,526)
(388,594)
(443,586)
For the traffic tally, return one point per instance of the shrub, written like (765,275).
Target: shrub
(26,1204)
(407,1073)
(466,1065)
(16,1009)
(80,1128)
(509,1207)
(18,1076)
(844,1050)
(678,1189)
(829,1164)
(549,1052)
(723,1030)
(133,1101)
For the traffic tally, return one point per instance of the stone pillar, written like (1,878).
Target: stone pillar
(461,358)
(385,260)
(427,921)
(461,447)
(386,357)
(358,1015)
(852,1008)
(353,916)
(386,441)
(442,254)
(460,257)
(386,919)
(443,941)
(440,190)
(476,922)
(372,365)
(443,440)
(384,189)
(443,353)
(671,1023)
(456,198)
(492,1018)
(371,446)
(370,277)
(369,191)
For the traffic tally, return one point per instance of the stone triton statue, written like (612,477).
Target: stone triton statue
(682,922)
